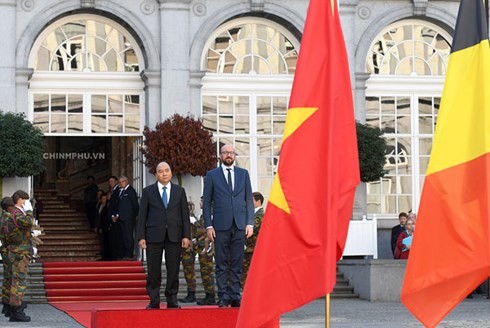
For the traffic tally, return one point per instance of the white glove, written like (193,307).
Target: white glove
(193,220)
(27,205)
(36,233)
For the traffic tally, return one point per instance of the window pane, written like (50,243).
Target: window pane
(241,124)
(264,166)
(99,124)
(115,104)
(403,124)
(226,105)
(98,103)
(264,125)
(58,103)
(264,147)
(116,123)
(75,123)
(263,105)
(242,147)
(210,122)
(132,123)
(42,122)
(242,106)
(279,123)
(209,105)
(226,124)
(280,106)
(75,103)
(132,104)
(58,123)
(41,103)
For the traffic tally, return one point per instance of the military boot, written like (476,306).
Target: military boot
(6,309)
(209,299)
(18,315)
(191,297)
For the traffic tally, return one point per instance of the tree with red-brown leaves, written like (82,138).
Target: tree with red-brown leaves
(182,142)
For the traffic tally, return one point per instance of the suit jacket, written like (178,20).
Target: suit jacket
(155,221)
(221,207)
(127,204)
(395,232)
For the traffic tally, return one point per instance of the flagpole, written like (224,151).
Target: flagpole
(327,311)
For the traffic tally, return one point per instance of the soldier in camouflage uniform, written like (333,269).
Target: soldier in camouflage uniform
(20,252)
(250,242)
(202,247)
(7,207)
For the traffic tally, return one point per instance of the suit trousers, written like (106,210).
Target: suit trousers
(128,237)
(154,252)
(228,254)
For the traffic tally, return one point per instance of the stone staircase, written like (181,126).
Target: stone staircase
(36,292)
(342,288)
(67,233)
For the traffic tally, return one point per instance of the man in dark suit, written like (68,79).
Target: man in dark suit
(228,212)
(163,224)
(127,210)
(397,230)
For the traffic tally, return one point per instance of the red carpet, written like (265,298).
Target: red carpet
(133,315)
(95,281)
(112,294)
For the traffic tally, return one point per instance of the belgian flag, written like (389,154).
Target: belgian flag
(450,254)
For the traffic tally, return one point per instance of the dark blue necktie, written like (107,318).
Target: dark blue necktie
(230,184)
(164,197)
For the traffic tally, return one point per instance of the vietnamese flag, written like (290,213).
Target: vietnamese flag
(450,255)
(305,225)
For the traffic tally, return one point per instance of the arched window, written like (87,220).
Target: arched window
(86,79)
(407,62)
(250,63)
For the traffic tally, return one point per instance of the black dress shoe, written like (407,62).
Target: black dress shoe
(152,307)
(223,303)
(235,303)
(172,305)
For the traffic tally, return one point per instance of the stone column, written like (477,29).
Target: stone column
(175,45)
(153,113)
(7,59)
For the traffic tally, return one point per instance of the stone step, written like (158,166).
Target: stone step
(70,223)
(72,242)
(64,228)
(71,214)
(68,248)
(69,236)
(75,254)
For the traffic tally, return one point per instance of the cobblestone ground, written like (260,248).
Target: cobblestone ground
(471,313)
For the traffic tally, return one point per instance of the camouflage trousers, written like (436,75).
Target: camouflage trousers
(7,275)
(206,268)
(247,259)
(20,265)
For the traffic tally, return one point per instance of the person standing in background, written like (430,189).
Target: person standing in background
(90,197)
(20,252)
(127,210)
(250,244)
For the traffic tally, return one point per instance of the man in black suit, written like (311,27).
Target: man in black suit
(127,210)
(228,211)
(397,230)
(163,224)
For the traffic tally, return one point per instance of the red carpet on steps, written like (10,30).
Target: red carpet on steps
(112,294)
(95,281)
